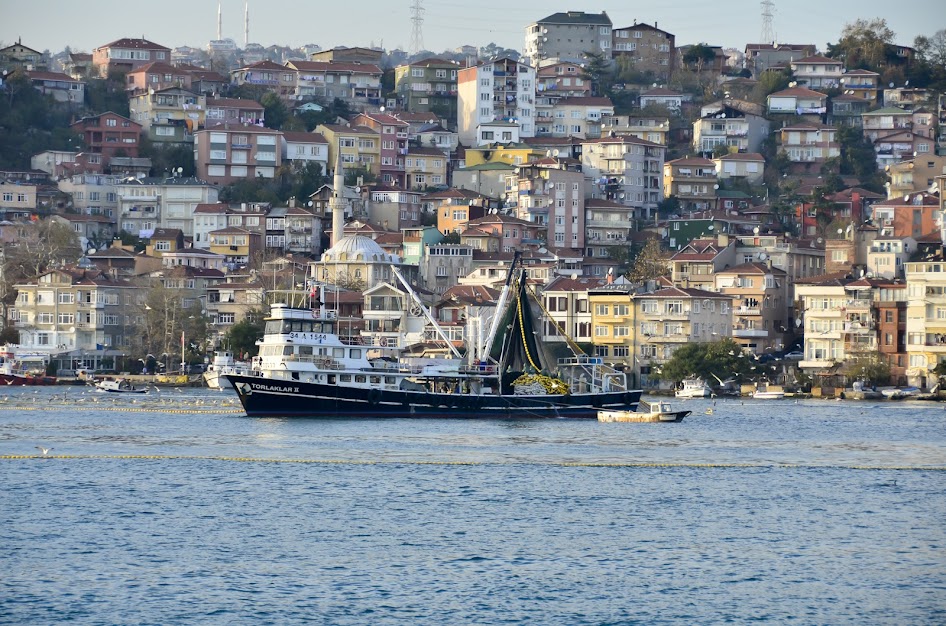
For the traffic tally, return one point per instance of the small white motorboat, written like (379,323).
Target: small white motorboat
(646,412)
(769,392)
(118,385)
(694,388)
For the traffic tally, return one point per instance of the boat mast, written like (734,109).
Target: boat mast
(430,318)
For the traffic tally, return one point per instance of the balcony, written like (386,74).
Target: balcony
(747,310)
(818,363)
(749,333)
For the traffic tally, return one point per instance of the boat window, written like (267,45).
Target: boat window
(287,327)
(345,378)
(305,350)
(361,378)
(389,380)
(273,328)
(375,380)
(338,353)
(295,375)
(286,350)
(321,352)
(354,354)
(331,379)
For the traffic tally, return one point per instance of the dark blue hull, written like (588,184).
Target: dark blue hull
(282,398)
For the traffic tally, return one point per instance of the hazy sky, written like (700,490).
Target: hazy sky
(53,24)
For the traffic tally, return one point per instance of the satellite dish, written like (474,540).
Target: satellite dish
(840,231)
(763,256)
(715,186)
(797,322)
(755,230)
(555,152)
(574,275)
(382,109)
(820,240)
(357,189)
(710,227)
(891,85)
(91,251)
(906,198)
(180,170)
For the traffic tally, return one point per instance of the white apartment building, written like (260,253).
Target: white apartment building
(502,90)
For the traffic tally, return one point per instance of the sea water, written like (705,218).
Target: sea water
(174,508)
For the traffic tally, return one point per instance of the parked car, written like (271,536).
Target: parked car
(795,355)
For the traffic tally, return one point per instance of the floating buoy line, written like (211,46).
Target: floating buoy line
(236,459)
(113,402)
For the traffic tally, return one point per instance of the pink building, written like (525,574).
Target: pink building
(157,76)
(394,134)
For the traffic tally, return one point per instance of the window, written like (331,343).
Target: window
(602,309)
(601,331)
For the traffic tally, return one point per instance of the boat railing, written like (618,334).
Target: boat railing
(482,369)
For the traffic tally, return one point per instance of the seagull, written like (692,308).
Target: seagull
(45,451)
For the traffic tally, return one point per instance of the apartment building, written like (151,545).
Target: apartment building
(551,195)
(301,149)
(62,88)
(228,152)
(692,180)
(817,72)
(169,115)
(654,129)
(359,146)
(651,51)
(760,57)
(75,310)
(282,79)
(568,36)
(626,170)
(797,101)
(761,304)
(424,168)
(748,167)
(352,81)
(736,124)
(499,91)
(146,204)
(393,141)
(925,321)
(429,85)
(697,263)
(157,76)
(579,117)
(109,135)
(234,111)
(658,323)
(127,54)
(808,146)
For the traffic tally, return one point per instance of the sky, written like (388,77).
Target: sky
(54,24)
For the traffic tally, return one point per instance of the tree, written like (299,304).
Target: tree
(724,358)
(770,82)
(166,158)
(859,159)
(869,368)
(242,336)
(353,175)
(863,44)
(39,246)
(597,71)
(699,56)
(649,264)
(276,111)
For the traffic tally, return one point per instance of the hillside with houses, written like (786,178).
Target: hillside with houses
(782,196)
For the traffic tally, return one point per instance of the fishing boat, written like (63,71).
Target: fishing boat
(305,368)
(223,363)
(694,388)
(118,385)
(24,369)
(645,412)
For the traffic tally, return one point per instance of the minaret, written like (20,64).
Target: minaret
(246,23)
(337,203)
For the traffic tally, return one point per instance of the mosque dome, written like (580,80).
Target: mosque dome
(358,248)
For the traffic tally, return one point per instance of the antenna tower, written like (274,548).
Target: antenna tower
(768,9)
(417,19)
(246,23)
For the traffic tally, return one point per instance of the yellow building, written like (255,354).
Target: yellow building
(612,323)
(425,167)
(359,146)
(513,154)
(926,321)
(237,245)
